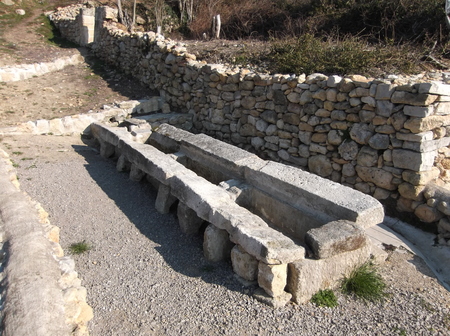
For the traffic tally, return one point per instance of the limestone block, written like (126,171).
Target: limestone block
(379,141)
(421,99)
(410,191)
(348,150)
(428,214)
(275,302)
(305,190)
(216,244)
(106,149)
(56,127)
(189,222)
(272,278)
(377,176)
(334,238)
(361,133)
(244,265)
(418,125)
(308,276)
(367,157)
(420,178)
(418,111)
(136,174)
(333,81)
(164,199)
(123,164)
(42,127)
(415,161)
(435,88)
(384,91)
(415,137)
(384,108)
(427,146)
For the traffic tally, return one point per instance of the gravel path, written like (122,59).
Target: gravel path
(144,277)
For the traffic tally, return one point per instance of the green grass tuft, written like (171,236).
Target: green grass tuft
(365,283)
(325,298)
(78,248)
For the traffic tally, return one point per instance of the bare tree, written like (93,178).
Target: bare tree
(186,8)
(159,13)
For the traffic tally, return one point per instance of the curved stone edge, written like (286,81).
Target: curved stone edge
(24,71)
(43,295)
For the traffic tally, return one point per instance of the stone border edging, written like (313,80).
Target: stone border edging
(43,293)
(25,71)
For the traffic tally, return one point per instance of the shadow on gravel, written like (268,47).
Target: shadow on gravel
(136,200)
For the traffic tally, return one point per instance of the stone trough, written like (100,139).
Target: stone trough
(289,230)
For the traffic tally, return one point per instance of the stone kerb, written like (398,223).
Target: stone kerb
(42,292)
(261,253)
(25,71)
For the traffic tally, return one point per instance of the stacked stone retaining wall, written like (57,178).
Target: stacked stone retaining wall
(385,137)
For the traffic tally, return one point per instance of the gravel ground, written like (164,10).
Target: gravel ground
(144,277)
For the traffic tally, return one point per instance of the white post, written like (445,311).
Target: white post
(218,26)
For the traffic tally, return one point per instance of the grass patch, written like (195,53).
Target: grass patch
(26,159)
(17,153)
(325,298)
(78,248)
(365,283)
(339,55)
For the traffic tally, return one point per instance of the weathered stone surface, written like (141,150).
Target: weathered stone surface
(418,111)
(302,189)
(244,265)
(361,133)
(377,176)
(367,157)
(272,278)
(275,302)
(418,125)
(410,191)
(435,88)
(379,141)
(216,244)
(164,199)
(407,159)
(307,276)
(384,91)
(189,222)
(415,137)
(428,214)
(420,178)
(348,150)
(384,108)
(335,238)
(320,165)
(402,97)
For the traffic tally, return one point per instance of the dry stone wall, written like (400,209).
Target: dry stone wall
(385,137)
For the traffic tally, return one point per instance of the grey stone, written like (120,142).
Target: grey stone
(189,222)
(216,244)
(244,265)
(367,157)
(348,150)
(413,160)
(334,238)
(379,141)
(361,133)
(308,276)
(164,199)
